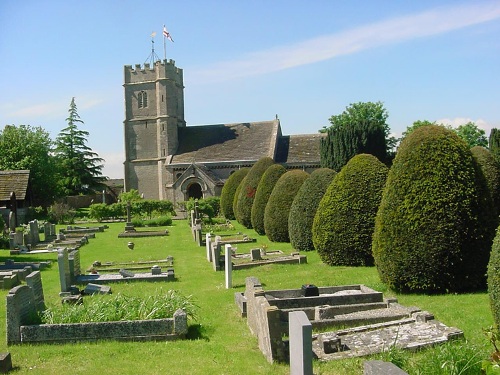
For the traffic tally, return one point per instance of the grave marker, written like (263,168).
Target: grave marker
(300,333)
(228,266)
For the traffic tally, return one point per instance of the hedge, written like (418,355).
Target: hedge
(264,189)
(304,207)
(434,230)
(491,171)
(494,279)
(243,212)
(228,192)
(279,203)
(345,219)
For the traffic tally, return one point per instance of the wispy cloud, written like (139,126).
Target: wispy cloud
(433,22)
(480,123)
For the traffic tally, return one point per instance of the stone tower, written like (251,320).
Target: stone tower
(154,110)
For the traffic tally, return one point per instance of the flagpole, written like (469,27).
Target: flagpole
(164,45)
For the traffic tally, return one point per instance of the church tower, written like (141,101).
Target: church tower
(154,110)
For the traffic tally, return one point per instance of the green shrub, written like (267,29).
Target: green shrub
(304,206)
(494,279)
(208,207)
(228,192)
(61,213)
(237,194)
(433,230)
(264,189)
(161,221)
(243,212)
(279,203)
(98,211)
(491,171)
(345,219)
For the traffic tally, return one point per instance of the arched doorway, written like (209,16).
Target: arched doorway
(194,191)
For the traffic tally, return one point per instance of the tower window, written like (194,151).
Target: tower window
(143,99)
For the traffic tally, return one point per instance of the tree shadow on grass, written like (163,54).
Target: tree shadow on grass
(198,332)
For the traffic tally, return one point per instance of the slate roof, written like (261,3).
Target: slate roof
(13,181)
(226,142)
(303,148)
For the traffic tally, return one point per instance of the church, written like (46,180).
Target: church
(166,159)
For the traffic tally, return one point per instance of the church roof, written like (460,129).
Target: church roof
(13,181)
(303,148)
(227,142)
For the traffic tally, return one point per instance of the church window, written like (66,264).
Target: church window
(143,99)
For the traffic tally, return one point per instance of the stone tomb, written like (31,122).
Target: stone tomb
(377,323)
(256,257)
(70,273)
(24,301)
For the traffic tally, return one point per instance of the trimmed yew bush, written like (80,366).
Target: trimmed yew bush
(345,219)
(243,211)
(304,207)
(264,189)
(491,171)
(228,192)
(434,228)
(279,203)
(494,279)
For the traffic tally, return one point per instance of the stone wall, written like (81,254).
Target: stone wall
(133,330)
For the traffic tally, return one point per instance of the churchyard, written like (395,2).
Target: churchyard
(219,341)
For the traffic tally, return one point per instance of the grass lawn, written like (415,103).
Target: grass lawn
(220,341)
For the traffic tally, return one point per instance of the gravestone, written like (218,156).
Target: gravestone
(5,363)
(255,254)
(96,289)
(300,333)
(64,273)
(125,273)
(228,269)
(216,248)
(156,270)
(208,245)
(377,367)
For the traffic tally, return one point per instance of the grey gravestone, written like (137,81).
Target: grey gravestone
(64,274)
(255,253)
(300,333)
(378,367)
(156,270)
(5,363)
(228,266)
(126,273)
(96,289)
(208,244)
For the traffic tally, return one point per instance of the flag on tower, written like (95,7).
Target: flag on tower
(166,34)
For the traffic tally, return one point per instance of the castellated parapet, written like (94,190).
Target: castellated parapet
(141,73)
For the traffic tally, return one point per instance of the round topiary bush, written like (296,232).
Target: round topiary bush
(433,230)
(345,219)
(279,203)
(228,192)
(304,206)
(264,189)
(243,211)
(494,279)
(491,170)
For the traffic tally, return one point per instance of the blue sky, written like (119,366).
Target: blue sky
(250,60)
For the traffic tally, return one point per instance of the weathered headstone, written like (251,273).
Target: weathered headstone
(208,245)
(255,254)
(216,247)
(5,363)
(96,289)
(125,273)
(156,270)
(300,333)
(377,367)
(64,273)
(228,266)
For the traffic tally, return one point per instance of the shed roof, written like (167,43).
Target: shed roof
(14,181)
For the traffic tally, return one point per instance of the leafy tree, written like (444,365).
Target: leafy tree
(246,195)
(472,135)
(304,207)
(279,203)
(229,191)
(344,222)
(26,147)
(361,128)
(129,196)
(264,190)
(434,228)
(81,167)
